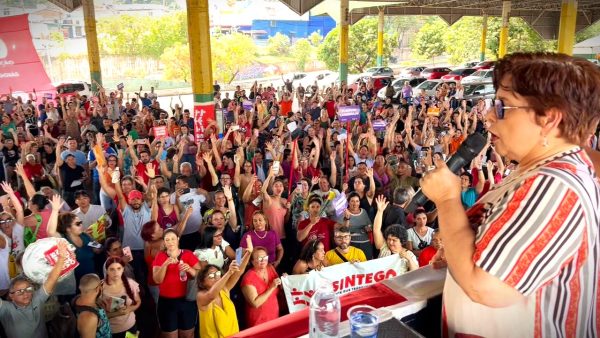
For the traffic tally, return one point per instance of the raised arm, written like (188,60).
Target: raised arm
(15,201)
(52,279)
(377,222)
(56,203)
(29,189)
(231,205)
(211,169)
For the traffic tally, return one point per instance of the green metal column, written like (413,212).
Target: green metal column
(344,18)
(380,38)
(566,30)
(504,30)
(483,37)
(89,18)
(200,55)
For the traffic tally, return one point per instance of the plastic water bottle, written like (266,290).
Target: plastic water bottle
(182,274)
(325,311)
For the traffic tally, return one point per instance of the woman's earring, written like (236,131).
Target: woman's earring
(545,142)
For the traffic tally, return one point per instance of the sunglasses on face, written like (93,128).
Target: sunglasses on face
(501,108)
(262,258)
(213,275)
(7,221)
(20,292)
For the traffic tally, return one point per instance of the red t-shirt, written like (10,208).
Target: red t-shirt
(141,170)
(285,107)
(269,310)
(172,286)
(330,106)
(32,170)
(322,230)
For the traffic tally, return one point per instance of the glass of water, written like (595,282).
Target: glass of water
(363,321)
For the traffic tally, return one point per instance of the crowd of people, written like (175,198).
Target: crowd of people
(203,228)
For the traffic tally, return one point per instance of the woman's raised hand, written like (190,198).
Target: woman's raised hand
(56,202)
(381,202)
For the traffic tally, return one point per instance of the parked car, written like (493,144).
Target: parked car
(378,82)
(479,90)
(458,74)
(411,72)
(485,65)
(313,77)
(398,84)
(469,64)
(479,76)
(435,72)
(379,71)
(430,87)
(71,88)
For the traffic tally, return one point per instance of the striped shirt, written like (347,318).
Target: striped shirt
(537,232)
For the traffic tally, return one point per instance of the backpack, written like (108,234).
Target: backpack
(64,323)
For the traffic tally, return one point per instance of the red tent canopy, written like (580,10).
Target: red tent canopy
(20,66)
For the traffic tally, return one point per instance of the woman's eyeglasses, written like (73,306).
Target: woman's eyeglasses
(501,108)
(262,258)
(20,292)
(213,275)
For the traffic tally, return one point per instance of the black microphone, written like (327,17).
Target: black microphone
(467,151)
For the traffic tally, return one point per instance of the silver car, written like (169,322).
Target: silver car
(484,75)
(479,90)
(430,87)
(379,71)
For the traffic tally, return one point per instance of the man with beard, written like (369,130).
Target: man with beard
(141,162)
(343,251)
(22,316)
(92,320)
(135,215)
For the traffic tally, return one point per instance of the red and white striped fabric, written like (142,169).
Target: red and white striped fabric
(539,233)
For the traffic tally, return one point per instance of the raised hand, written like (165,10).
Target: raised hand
(7,188)
(129,141)
(381,202)
(150,170)
(56,202)
(227,192)
(315,180)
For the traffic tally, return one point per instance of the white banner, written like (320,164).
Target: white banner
(345,278)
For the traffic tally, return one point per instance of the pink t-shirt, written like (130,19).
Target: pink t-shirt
(122,323)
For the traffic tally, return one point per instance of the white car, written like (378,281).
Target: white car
(70,88)
(311,77)
(430,87)
(484,75)
(379,71)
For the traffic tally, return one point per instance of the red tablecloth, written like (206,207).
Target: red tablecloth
(296,324)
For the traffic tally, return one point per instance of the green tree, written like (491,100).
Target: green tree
(429,42)
(176,62)
(230,54)
(589,32)
(279,44)
(131,35)
(315,39)
(362,49)
(302,51)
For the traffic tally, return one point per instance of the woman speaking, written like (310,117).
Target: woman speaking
(524,259)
